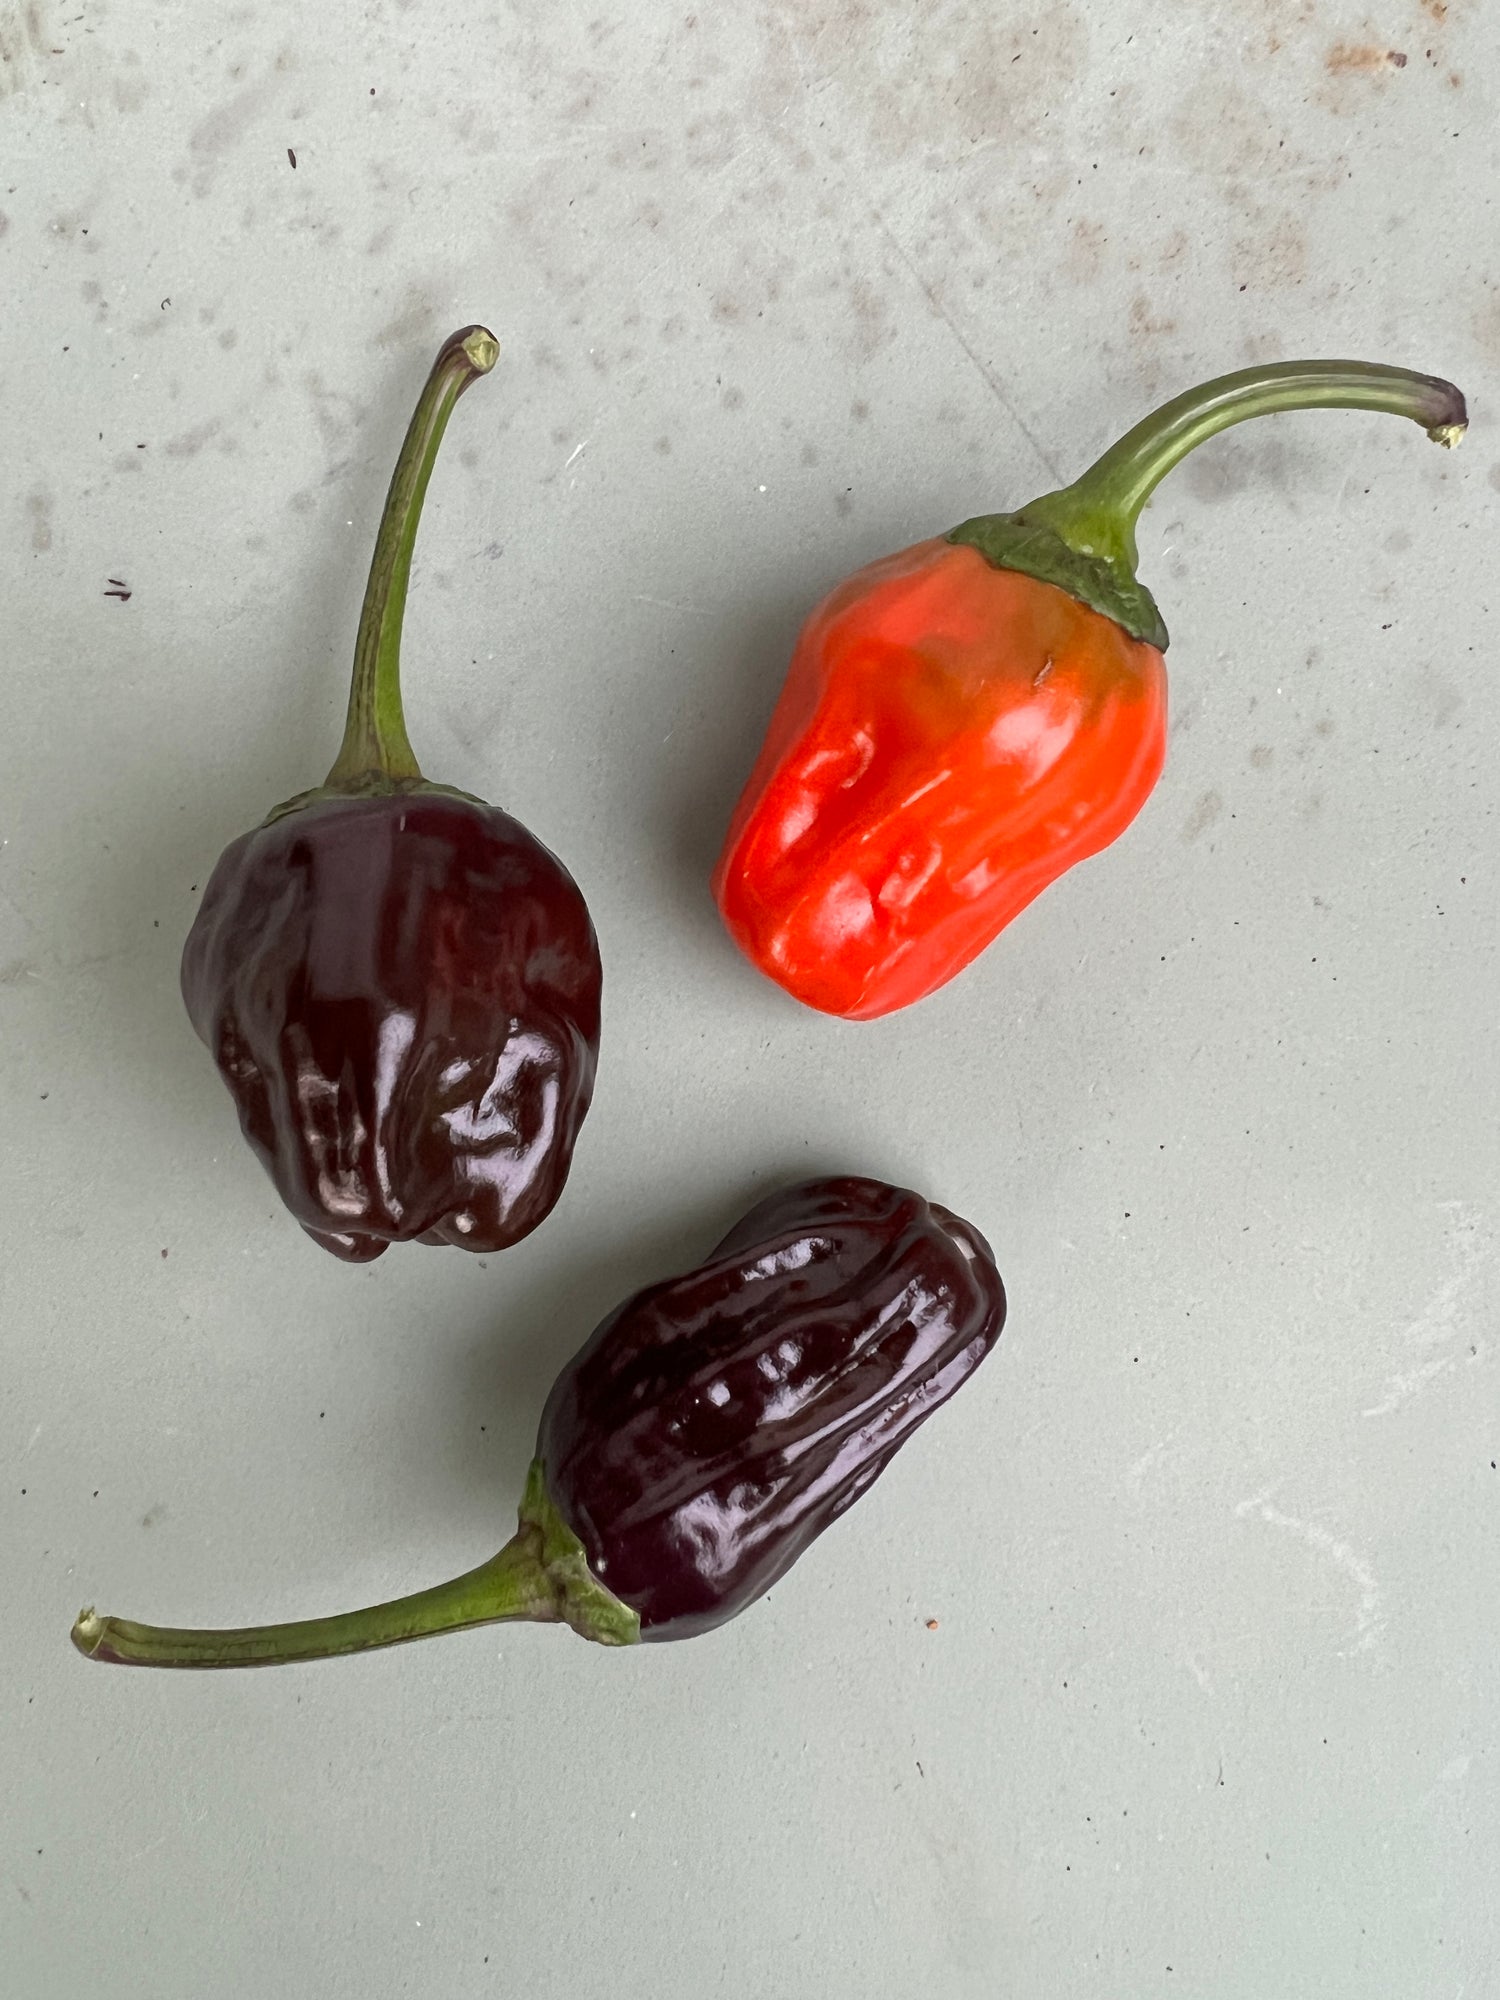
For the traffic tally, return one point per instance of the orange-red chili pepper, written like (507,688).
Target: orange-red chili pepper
(965,720)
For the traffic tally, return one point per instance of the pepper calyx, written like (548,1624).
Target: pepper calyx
(371,785)
(582,1600)
(1034,548)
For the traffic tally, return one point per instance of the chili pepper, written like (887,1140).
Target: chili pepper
(701,1440)
(399,983)
(965,720)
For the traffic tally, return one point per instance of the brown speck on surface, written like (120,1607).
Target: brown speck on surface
(932,1624)
(187,444)
(1361,59)
(412,322)
(1084,258)
(1146,325)
(39,507)
(291,156)
(1201,818)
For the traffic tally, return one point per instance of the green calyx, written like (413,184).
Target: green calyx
(581,1599)
(1082,537)
(1021,542)
(376,753)
(541,1576)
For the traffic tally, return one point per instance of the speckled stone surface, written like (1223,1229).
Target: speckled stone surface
(1212,1542)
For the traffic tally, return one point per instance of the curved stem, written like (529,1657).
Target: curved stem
(1097,514)
(375,744)
(510,1586)
(542,1576)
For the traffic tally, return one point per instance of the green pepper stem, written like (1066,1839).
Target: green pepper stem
(511,1585)
(1097,514)
(375,746)
(541,1576)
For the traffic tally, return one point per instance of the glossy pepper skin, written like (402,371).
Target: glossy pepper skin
(702,1439)
(964,721)
(400,984)
(951,737)
(716,1424)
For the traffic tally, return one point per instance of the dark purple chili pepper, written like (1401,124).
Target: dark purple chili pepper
(400,985)
(706,1434)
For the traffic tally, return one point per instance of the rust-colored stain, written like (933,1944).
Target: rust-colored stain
(1146,325)
(1201,818)
(1085,253)
(1361,59)
(1272,249)
(1435,10)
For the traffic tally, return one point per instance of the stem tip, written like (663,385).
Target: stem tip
(88,1630)
(482,348)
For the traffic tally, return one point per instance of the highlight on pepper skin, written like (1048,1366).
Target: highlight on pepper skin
(950,739)
(399,984)
(964,721)
(700,1441)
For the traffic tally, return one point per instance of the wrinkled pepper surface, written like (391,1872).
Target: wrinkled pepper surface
(965,720)
(703,1438)
(399,983)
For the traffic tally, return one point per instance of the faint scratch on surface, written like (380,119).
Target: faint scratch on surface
(948,320)
(1470,1248)
(1197,1673)
(671,604)
(1370,1617)
(577,452)
(1145,1463)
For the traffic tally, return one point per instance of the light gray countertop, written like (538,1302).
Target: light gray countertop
(1211,1542)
